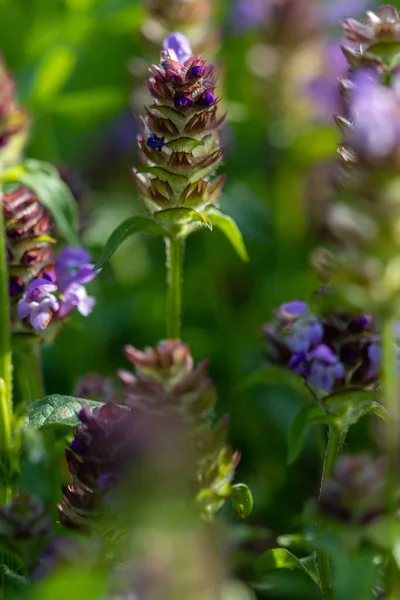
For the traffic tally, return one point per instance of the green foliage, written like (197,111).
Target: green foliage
(280,558)
(56,411)
(229,228)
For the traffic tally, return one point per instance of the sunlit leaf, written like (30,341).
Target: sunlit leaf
(125,230)
(229,228)
(351,405)
(57,410)
(280,558)
(53,73)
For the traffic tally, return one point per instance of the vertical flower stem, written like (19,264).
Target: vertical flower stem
(174,250)
(390,385)
(5,372)
(335,442)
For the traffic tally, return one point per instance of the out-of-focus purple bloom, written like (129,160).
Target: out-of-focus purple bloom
(334,11)
(323,90)
(249,14)
(375,117)
(178,46)
(38,303)
(73,271)
(329,351)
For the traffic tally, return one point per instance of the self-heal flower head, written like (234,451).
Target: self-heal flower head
(181,140)
(39,303)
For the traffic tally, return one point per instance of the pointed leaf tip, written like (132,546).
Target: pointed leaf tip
(228,226)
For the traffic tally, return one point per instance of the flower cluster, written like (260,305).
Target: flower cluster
(364,223)
(329,351)
(355,493)
(181,144)
(166,392)
(44,285)
(14,122)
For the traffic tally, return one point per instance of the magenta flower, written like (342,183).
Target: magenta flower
(38,303)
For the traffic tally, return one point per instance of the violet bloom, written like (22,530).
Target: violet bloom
(334,11)
(375,117)
(250,14)
(38,303)
(178,47)
(73,271)
(323,90)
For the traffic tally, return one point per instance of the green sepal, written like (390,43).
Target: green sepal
(350,406)
(280,558)
(306,416)
(230,229)
(183,216)
(242,500)
(57,411)
(173,179)
(125,230)
(44,180)
(184,144)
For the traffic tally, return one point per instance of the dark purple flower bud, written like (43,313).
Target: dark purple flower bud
(196,70)
(207,98)
(154,141)
(178,47)
(183,99)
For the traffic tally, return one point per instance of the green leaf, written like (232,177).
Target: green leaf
(351,405)
(57,410)
(242,500)
(297,433)
(280,558)
(53,73)
(44,180)
(12,577)
(125,230)
(183,216)
(86,106)
(228,227)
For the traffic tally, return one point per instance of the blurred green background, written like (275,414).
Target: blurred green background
(80,67)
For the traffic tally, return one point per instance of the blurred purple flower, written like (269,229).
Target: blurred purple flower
(249,14)
(323,90)
(178,46)
(73,271)
(38,303)
(375,116)
(334,11)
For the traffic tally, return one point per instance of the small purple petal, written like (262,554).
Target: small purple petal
(178,46)
(40,316)
(324,354)
(72,257)
(293,309)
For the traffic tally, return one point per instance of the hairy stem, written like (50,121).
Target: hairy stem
(391,396)
(174,251)
(335,442)
(5,372)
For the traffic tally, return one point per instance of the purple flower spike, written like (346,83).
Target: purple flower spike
(178,47)
(38,303)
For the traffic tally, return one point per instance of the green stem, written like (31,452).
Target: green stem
(391,396)
(174,250)
(335,442)
(5,372)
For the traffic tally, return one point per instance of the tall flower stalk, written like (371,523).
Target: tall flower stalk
(181,150)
